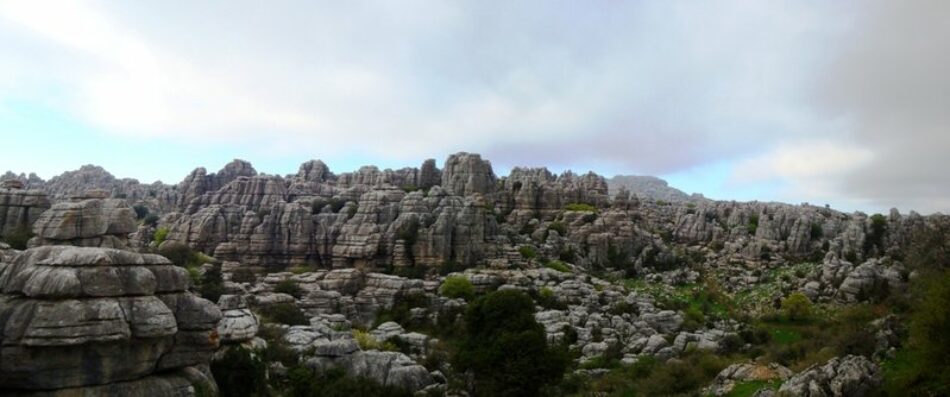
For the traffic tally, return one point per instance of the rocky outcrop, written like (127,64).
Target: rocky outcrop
(238,324)
(87,223)
(101,322)
(20,209)
(649,187)
(466,173)
(200,182)
(735,374)
(849,376)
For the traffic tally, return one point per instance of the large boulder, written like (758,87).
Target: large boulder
(849,376)
(102,320)
(91,222)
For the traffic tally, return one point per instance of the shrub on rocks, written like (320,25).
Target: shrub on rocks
(289,287)
(240,373)
(286,313)
(457,287)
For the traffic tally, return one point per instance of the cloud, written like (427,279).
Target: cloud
(635,87)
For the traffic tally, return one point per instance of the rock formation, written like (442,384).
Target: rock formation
(20,208)
(102,322)
(89,222)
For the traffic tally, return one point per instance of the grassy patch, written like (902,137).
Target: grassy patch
(747,389)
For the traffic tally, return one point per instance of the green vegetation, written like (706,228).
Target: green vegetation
(160,235)
(558,265)
(150,220)
(243,275)
(240,373)
(182,255)
(747,389)
(649,377)
(285,313)
(558,227)
(753,225)
(527,252)
(457,287)
(505,349)
(141,211)
(211,284)
(580,207)
(289,287)
(368,342)
(304,382)
(797,306)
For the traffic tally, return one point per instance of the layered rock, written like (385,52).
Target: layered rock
(200,182)
(849,376)
(87,222)
(466,173)
(101,321)
(20,209)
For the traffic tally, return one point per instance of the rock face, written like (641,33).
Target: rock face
(466,174)
(850,376)
(101,322)
(88,223)
(646,186)
(734,374)
(19,208)
(237,324)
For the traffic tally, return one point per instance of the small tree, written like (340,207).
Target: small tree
(797,306)
(289,287)
(505,348)
(457,287)
(240,373)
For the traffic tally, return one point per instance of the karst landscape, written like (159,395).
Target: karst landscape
(430,198)
(452,280)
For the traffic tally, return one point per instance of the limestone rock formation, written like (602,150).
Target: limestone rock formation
(237,324)
(88,222)
(849,376)
(101,322)
(466,173)
(19,208)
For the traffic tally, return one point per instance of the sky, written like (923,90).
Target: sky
(844,103)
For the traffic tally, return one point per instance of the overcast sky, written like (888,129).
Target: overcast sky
(844,102)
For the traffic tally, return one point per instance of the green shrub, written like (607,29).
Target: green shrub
(150,220)
(182,255)
(304,382)
(240,373)
(753,225)
(527,252)
(160,235)
(922,367)
(212,284)
(286,313)
(580,207)
(816,231)
(797,306)
(558,265)
(140,211)
(547,300)
(558,227)
(368,342)
(457,287)
(505,349)
(289,287)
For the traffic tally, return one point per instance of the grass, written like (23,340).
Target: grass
(747,389)
(580,207)
(785,336)
(558,265)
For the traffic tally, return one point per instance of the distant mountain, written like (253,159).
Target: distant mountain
(648,186)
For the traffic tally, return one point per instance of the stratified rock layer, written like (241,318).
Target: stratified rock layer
(103,320)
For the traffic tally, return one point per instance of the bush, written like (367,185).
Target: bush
(160,235)
(182,255)
(151,220)
(457,287)
(289,287)
(212,284)
(140,211)
(286,313)
(753,225)
(558,227)
(558,265)
(368,342)
(547,300)
(580,207)
(797,306)
(240,373)
(527,252)
(922,368)
(505,348)
(18,237)
(334,382)
(816,231)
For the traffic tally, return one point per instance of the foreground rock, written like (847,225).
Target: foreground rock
(20,208)
(102,322)
(850,376)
